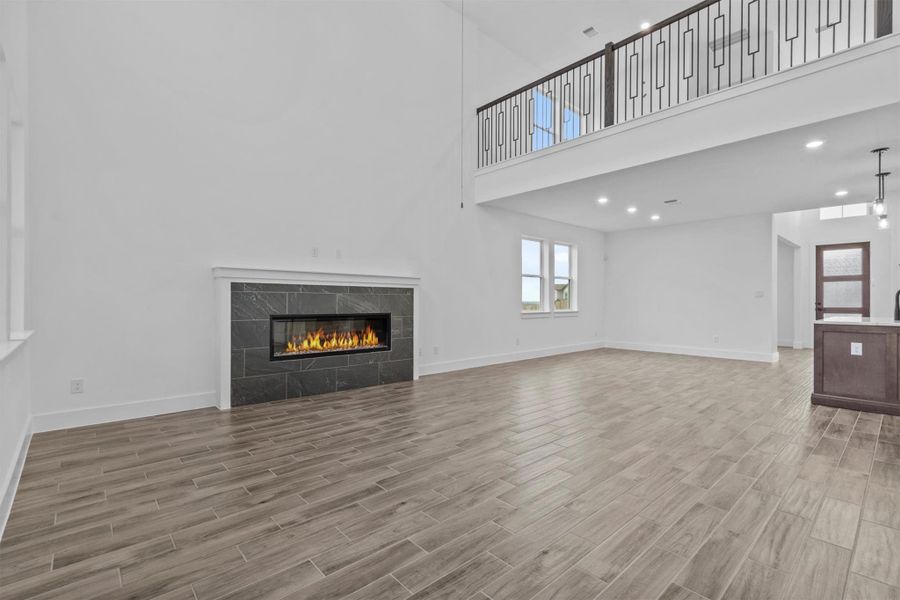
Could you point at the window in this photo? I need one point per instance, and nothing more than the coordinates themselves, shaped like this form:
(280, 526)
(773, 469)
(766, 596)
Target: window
(846, 210)
(12, 215)
(542, 134)
(538, 267)
(532, 275)
(571, 128)
(563, 277)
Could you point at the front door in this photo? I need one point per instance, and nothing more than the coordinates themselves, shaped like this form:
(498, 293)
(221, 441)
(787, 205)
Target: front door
(842, 280)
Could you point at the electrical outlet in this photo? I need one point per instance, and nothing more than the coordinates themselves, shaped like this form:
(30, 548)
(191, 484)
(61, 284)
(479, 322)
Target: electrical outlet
(339, 255)
(315, 252)
(76, 386)
(715, 339)
(435, 350)
(517, 341)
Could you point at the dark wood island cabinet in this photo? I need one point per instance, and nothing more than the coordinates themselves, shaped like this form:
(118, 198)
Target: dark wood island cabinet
(856, 364)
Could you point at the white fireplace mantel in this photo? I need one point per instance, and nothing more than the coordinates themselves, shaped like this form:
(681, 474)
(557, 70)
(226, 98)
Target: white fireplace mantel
(225, 276)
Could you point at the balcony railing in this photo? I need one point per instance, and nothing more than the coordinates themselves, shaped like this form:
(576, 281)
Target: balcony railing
(711, 46)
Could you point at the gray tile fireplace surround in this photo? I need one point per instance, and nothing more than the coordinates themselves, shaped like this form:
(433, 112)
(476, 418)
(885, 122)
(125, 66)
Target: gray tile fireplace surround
(254, 378)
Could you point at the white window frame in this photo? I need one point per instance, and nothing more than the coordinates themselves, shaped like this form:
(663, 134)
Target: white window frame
(548, 278)
(573, 276)
(543, 275)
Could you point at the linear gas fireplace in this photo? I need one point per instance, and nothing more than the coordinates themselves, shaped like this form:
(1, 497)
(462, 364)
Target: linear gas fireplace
(299, 336)
(293, 339)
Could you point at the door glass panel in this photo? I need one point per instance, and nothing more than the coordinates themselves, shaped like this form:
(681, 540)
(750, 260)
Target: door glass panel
(842, 294)
(848, 261)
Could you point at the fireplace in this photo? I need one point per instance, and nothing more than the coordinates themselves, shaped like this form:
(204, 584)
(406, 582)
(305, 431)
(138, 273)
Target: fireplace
(292, 337)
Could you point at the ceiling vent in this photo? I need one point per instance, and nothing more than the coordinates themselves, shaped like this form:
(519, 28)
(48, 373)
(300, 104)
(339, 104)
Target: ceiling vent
(590, 32)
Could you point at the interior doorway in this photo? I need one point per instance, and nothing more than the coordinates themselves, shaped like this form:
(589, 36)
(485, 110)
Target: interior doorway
(842, 280)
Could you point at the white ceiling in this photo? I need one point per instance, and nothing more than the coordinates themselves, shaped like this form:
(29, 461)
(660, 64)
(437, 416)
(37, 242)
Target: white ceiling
(547, 34)
(771, 173)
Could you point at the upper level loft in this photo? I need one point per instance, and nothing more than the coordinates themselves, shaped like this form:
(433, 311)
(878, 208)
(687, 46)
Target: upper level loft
(710, 47)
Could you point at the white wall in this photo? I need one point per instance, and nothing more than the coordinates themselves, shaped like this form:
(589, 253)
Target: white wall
(805, 229)
(172, 137)
(700, 288)
(785, 294)
(893, 206)
(15, 404)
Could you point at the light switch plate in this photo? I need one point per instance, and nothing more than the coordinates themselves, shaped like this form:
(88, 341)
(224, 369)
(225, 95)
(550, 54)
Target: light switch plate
(855, 348)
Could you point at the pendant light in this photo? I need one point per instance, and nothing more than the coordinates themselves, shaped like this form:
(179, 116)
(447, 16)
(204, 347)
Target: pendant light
(878, 206)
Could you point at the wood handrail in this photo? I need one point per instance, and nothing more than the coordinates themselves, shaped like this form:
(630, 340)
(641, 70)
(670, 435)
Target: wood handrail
(652, 29)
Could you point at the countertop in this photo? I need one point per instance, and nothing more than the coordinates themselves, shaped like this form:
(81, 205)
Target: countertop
(853, 320)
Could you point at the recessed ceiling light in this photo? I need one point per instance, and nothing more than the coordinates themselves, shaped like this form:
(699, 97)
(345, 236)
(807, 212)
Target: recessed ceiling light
(645, 25)
(632, 209)
(814, 144)
(840, 193)
(602, 200)
(654, 217)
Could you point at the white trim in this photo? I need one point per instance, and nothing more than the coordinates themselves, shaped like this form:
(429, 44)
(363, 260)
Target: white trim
(225, 276)
(766, 357)
(95, 415)
(548, 314)
(8, 348)
(15, 473)
(494, 359)
(16, 340)
(257, 275)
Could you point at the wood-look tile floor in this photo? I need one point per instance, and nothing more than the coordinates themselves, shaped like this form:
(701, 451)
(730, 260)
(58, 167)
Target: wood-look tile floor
(598, 475)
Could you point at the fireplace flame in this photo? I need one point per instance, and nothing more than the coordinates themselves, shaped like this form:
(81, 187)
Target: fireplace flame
(320, 341)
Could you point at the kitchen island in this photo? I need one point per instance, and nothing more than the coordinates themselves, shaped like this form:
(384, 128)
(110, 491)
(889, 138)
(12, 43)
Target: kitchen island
(856, 364)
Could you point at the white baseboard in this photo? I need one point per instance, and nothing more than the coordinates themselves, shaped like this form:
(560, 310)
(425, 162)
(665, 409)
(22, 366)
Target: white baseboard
(766, 357)
(496, 359)
(119, 412)
(15, 472)
(148, 408)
